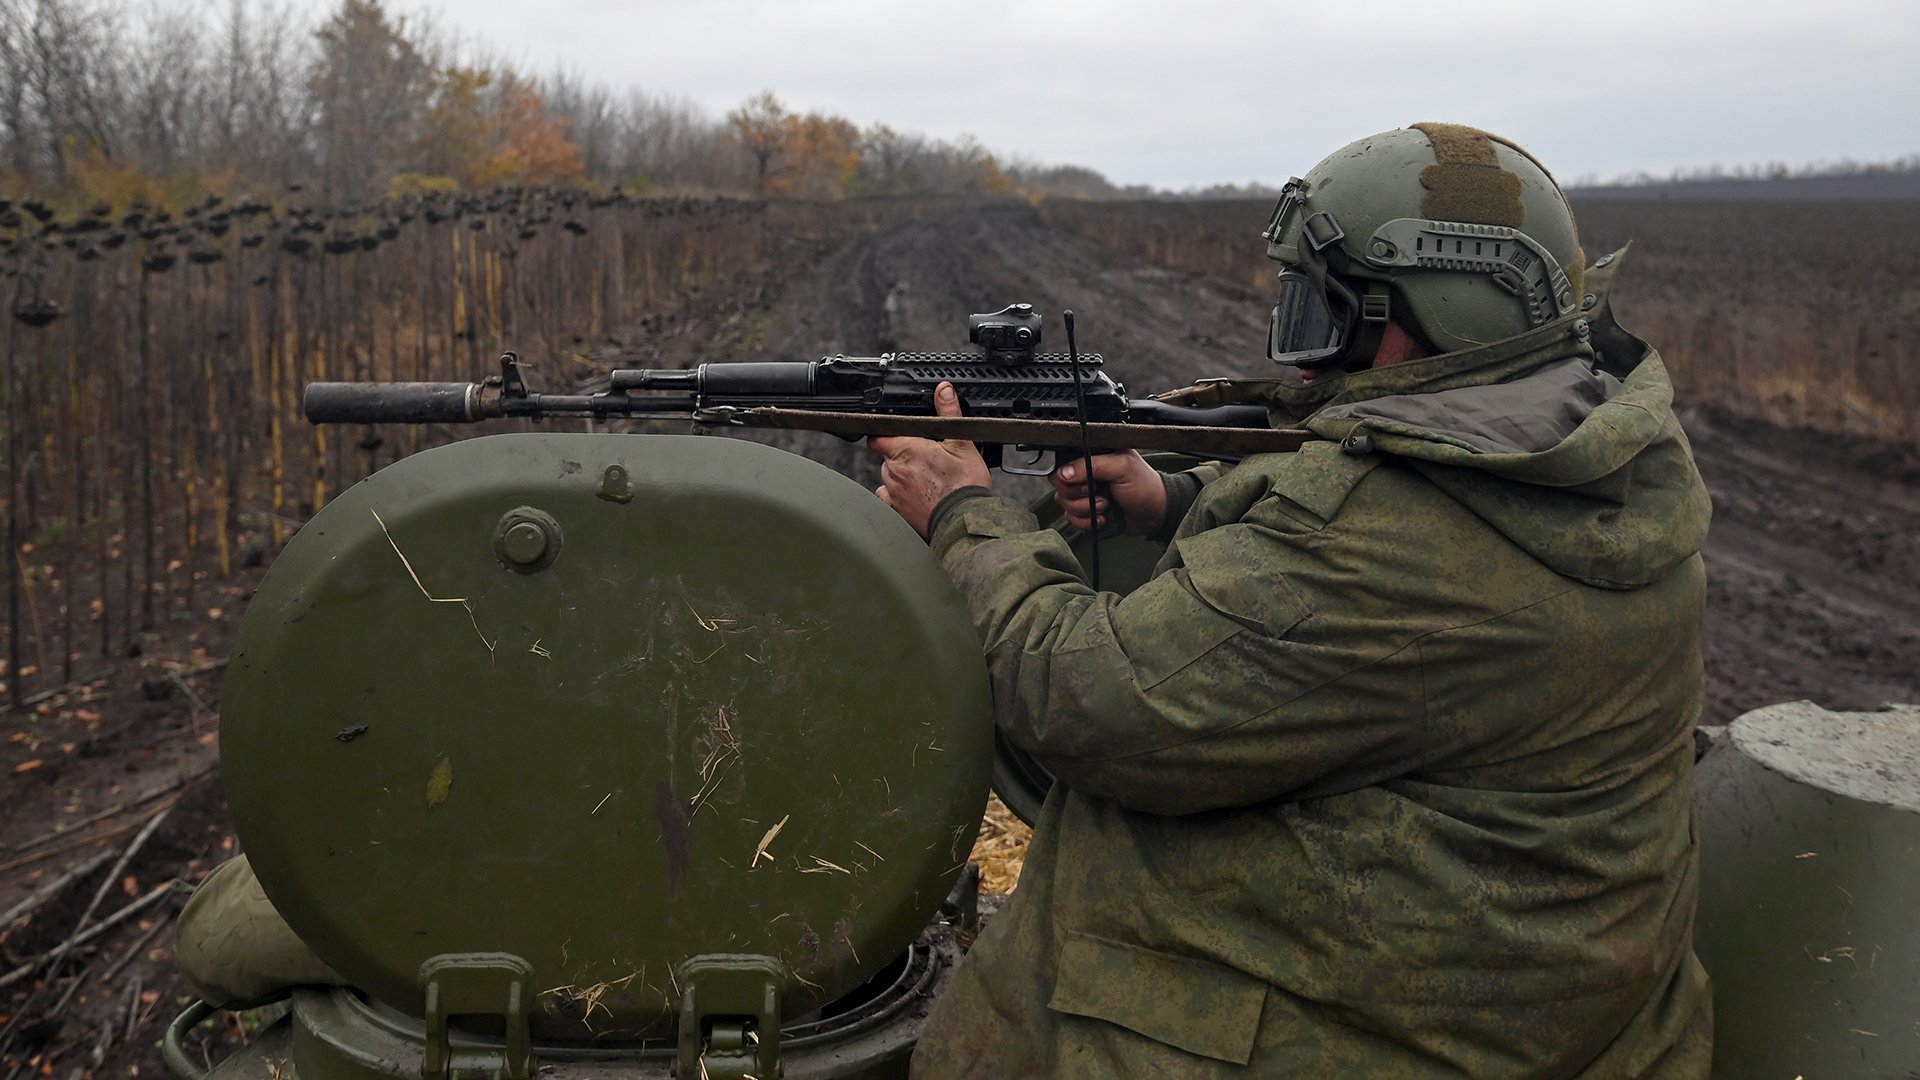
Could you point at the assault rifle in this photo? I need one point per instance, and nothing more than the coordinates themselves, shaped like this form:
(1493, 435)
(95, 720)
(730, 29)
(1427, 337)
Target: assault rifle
(1013, 396)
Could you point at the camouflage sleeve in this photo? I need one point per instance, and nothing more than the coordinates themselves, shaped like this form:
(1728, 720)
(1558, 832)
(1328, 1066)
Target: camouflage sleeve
(1200, 690)
(235, 950)
(1182, 489)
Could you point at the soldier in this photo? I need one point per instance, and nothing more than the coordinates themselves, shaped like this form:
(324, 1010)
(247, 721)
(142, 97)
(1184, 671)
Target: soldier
(1386, 771)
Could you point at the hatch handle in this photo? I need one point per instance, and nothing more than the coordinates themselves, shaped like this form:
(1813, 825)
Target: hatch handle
(730, 1017)
(171, 1050)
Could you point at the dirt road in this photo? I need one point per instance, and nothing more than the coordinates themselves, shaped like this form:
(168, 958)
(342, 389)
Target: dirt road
(1814, 561)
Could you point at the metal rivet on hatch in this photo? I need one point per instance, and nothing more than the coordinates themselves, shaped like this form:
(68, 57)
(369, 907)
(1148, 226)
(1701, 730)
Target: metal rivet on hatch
(614, 485)
(525, 543)
(527, 540)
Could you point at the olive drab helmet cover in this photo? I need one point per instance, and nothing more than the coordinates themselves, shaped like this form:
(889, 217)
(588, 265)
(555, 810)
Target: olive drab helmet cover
(1459, 236)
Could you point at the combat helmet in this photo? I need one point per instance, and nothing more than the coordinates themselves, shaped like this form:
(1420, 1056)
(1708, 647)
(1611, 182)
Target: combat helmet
(1459, 236)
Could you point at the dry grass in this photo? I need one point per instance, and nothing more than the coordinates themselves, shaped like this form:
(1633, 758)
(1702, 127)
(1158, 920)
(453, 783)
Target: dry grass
(1001, 848)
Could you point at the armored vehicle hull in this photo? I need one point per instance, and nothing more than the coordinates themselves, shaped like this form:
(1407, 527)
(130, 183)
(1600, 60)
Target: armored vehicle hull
(1809, 870)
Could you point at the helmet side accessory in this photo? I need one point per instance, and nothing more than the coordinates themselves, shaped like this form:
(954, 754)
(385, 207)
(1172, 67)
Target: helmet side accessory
(1514, 261)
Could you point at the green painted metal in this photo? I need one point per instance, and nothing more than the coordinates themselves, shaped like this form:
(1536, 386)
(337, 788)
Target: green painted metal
(335, 1034)
(1809, 870)
(729, 704)
(172, 1048)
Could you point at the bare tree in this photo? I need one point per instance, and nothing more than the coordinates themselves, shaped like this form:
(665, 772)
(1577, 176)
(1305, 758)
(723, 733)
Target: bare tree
(369, 85)
(16, 131)
(261, 116)
(65, 61)
(1065, 181)
(888, 159)
(593, 120)
(670, 144)
(164, 95)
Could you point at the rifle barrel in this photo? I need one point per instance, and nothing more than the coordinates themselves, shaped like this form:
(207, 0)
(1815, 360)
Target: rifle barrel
(396, 403)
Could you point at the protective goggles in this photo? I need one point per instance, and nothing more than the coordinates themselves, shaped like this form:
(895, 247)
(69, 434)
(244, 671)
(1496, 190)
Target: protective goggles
(1313, 322)
(1315, 316)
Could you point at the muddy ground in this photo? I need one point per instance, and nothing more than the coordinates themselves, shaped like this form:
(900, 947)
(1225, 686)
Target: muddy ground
(1814, 561)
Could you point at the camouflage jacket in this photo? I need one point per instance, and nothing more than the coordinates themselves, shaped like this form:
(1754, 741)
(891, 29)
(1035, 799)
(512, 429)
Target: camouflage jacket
(1385, 773)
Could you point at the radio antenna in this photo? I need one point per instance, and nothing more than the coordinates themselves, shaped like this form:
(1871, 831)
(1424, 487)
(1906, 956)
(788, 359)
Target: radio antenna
(1086, 452)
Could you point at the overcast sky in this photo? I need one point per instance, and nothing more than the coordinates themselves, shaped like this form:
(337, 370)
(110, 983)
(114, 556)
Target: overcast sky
(1179, 94)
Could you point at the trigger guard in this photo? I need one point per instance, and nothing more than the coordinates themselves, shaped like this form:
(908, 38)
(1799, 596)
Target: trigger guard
(1026, 461)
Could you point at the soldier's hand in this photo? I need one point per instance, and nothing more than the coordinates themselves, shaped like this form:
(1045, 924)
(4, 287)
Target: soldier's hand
(1136, 488)
(918, 473)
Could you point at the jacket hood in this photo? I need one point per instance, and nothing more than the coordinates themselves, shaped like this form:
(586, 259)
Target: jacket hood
(1588, 474)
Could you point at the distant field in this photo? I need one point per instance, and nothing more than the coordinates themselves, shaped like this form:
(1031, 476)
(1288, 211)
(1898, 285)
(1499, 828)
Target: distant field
(1883, 184)
(1802, 313)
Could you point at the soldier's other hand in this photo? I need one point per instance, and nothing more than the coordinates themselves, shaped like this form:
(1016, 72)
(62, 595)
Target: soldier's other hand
(918, 473)
(1130, 484)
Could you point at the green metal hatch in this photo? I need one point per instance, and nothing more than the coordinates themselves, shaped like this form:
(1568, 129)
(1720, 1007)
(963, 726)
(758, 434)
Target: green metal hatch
(602, 704)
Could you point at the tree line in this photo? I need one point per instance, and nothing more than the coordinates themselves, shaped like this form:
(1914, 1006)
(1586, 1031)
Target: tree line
(167, 106)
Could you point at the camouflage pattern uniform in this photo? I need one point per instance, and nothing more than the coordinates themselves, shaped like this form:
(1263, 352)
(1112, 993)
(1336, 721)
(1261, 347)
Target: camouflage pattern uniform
(234, 948)
(1386, 772)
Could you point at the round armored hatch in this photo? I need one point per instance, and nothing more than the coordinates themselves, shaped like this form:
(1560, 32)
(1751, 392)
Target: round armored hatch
(606, 703)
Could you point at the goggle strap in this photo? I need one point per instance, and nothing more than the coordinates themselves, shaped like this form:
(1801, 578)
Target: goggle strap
(1365, 344)
(1377, 305)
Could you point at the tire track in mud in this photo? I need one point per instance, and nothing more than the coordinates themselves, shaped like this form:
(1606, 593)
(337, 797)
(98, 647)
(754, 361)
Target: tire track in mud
(1813, 567)
(1814, 559)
